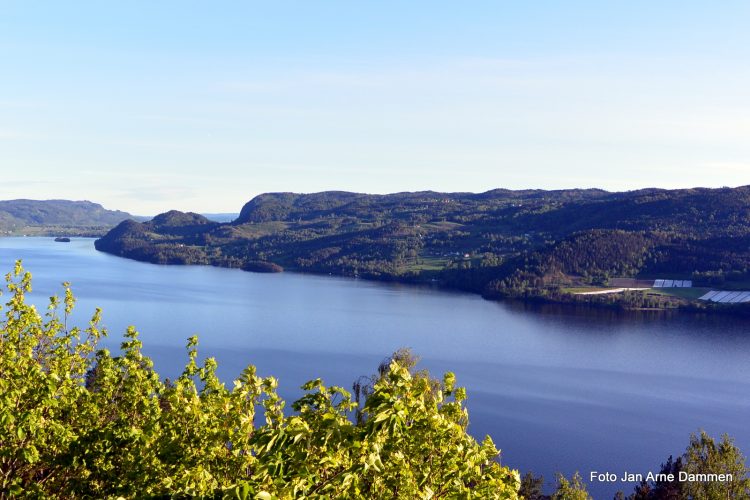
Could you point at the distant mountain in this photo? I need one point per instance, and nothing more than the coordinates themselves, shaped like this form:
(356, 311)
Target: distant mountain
(499, 243)
(222, 217)
(57, 217)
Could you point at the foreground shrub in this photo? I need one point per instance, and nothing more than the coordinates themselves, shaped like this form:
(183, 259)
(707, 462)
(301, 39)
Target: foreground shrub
(76, 421)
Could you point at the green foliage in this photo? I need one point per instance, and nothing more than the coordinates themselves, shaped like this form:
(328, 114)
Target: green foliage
(76, 421)
(54, 217)
(523, 244)
(663, 488)
(706, 456)
(532, 487)
(702, 456)
(573, 489)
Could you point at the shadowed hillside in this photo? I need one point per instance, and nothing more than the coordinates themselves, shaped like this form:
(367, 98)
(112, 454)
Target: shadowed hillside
(57, 217)
(499, 243)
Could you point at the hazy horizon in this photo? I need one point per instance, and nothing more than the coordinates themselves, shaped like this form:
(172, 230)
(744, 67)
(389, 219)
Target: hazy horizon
(236, 210)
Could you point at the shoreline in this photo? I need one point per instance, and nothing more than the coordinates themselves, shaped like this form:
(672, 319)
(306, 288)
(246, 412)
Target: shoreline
(577, 300)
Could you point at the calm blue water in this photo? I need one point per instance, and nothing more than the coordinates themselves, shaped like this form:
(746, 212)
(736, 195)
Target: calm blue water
(558, 390)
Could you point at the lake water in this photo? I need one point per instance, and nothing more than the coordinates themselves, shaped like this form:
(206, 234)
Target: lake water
(557, 389)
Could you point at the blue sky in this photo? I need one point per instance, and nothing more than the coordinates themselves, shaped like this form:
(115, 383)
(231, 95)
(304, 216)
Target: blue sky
(149, 106)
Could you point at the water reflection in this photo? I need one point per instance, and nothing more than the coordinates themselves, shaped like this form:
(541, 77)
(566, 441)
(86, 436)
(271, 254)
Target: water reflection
(558, 388)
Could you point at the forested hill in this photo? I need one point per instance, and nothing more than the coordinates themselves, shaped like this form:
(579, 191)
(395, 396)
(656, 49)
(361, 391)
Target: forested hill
(57, 217)
(499, 242)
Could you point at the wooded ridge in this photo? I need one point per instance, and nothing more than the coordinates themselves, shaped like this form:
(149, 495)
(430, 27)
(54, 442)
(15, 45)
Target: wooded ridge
(529, 243)
(57, 217)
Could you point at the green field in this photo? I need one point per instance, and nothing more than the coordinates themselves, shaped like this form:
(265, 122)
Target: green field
(684, 293)
(585, 289)
(429, 264)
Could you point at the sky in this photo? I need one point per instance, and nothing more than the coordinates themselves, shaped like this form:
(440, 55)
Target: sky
(147, 106)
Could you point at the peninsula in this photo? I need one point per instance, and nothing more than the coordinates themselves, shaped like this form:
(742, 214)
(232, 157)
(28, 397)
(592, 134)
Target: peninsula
(555, 246)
